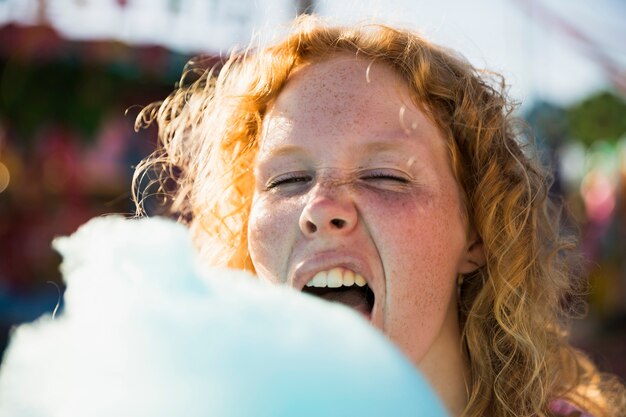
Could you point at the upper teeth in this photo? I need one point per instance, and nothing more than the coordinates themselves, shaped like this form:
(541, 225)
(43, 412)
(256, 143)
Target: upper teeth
(335, 278)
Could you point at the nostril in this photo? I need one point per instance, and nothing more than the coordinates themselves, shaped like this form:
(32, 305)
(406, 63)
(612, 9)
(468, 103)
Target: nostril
(338, 223)
(311, 227)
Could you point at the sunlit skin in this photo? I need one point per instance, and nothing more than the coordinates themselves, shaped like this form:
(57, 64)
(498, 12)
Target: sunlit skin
(351, 173)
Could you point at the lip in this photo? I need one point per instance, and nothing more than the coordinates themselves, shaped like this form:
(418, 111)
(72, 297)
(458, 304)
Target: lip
(306, 269)
(325, 261)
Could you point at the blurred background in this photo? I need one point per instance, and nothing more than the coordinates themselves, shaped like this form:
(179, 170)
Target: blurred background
(75, 73)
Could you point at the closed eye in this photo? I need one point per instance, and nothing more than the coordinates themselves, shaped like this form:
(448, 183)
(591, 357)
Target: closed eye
(385, 176)
(287, 179)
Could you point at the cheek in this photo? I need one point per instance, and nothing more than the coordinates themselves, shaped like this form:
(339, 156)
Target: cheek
(270, 238)
(421, 253)
(420, 247)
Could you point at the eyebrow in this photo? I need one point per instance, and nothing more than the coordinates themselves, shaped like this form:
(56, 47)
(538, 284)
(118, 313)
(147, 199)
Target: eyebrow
(371, 147)
(284, 150)
(384, 146)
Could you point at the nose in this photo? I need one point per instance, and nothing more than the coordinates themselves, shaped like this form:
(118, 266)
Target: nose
(326, 214)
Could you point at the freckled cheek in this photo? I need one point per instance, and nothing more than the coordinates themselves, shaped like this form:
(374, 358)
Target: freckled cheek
(420, 266)
(272, 229)
(420, 254)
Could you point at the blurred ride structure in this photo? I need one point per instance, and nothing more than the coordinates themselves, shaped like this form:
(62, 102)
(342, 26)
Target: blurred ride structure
(67, 148)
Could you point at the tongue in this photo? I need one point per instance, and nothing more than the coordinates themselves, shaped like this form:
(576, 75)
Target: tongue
(353, 298)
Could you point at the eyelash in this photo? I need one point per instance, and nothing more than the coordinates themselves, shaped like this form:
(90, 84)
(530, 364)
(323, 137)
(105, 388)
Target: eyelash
(297, 178)
(386, 176)
(290, 179)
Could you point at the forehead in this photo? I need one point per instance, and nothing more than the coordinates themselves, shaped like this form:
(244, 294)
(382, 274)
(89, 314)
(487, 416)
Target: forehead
(341, 85)
(347, 99)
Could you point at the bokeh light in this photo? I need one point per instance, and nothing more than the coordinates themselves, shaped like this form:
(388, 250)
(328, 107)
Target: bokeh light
(5, 177)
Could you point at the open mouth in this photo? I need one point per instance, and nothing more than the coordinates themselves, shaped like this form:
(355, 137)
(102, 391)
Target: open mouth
(343, 286)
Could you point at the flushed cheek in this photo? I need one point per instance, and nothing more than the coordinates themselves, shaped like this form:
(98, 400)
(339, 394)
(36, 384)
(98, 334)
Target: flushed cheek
(422, 281)
(417, 304)
(271, 236)
(420, 267)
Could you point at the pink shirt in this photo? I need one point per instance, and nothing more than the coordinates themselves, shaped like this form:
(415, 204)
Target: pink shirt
(566, 409)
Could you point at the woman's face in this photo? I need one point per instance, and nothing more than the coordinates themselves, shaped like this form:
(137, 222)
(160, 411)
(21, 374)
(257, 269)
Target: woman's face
(354, 182)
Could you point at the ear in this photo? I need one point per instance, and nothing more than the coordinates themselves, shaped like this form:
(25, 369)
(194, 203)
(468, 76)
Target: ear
(474, 256)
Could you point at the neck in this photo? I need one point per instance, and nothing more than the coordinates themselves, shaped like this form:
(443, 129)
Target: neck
(446, 369)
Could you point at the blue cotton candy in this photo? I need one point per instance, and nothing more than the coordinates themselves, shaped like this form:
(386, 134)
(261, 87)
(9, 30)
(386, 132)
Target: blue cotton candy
(147, 332)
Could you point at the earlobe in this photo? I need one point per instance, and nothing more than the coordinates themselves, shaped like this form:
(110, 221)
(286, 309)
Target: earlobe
(474, 256)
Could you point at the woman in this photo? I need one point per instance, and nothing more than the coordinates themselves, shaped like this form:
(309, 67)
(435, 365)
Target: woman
(373, 168)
